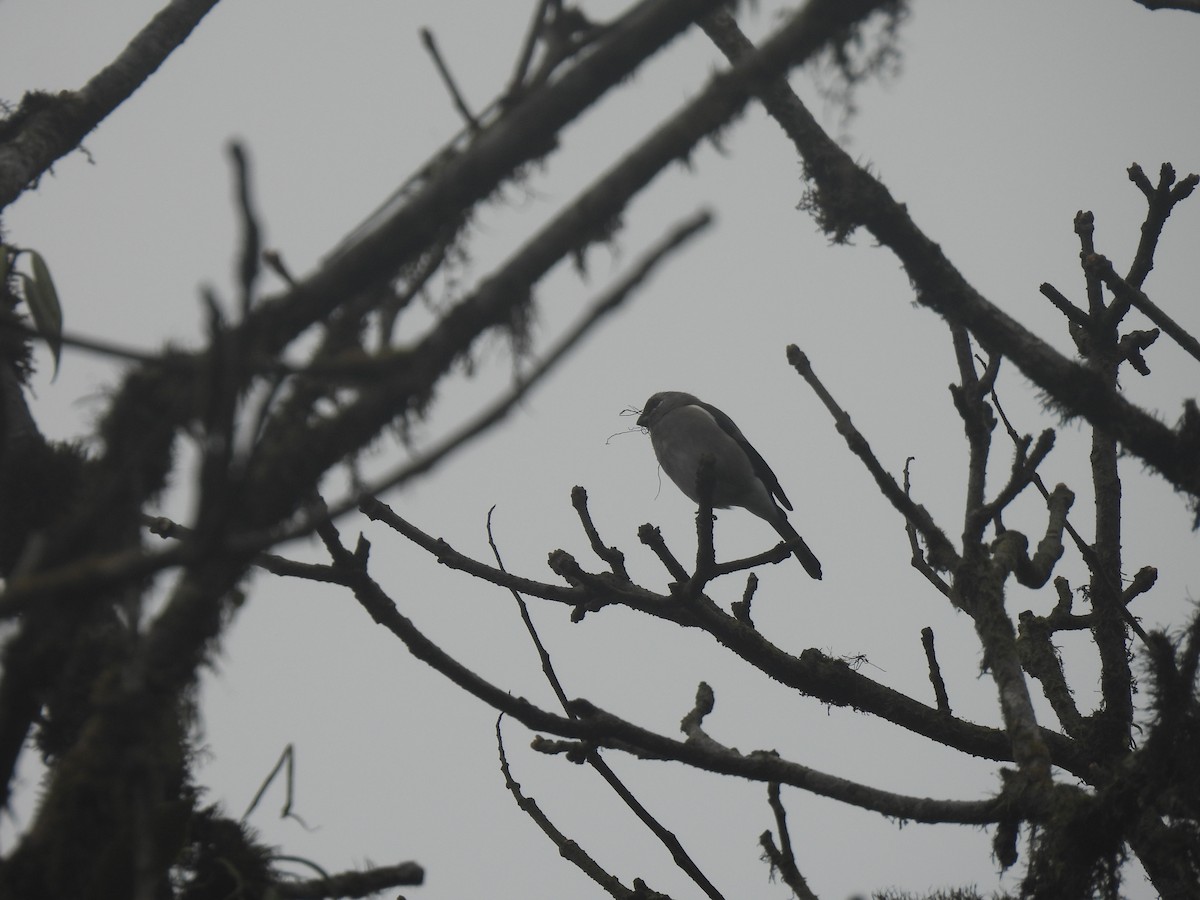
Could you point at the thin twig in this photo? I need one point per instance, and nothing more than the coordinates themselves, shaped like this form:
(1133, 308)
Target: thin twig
(917, 560)
(782, 858)
(611, 555)
(668, 839)
(569, 849)
(447, 79)
(523, 608)
(942, 554)
(525, 57)
(287, 763)
(250, 262)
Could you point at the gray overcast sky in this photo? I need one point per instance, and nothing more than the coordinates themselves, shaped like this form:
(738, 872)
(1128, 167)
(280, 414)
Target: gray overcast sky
(1005, 120)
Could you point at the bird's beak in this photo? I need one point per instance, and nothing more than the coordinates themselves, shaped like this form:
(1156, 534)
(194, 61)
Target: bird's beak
(641, 420)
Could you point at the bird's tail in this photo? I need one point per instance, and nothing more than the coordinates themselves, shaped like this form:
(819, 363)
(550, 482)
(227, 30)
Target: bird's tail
(810, 562)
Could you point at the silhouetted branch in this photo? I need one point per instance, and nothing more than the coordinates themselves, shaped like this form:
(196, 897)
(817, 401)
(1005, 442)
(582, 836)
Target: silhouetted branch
(528, 45)
(692, 724)
(782, 859)
(1100, 344)
(812, 673)
(978, 422)
(981, 587)
(846, 196)
(767, 766)
(523, 608)
(665, 836)
(600, 728)
(611, 555)
(1074, 314)
(1039, 657)
(526, 132)
(935, 672)
(1184, 5)
(705, 519)
(741, 608)
(611, 300)
(1160, 201)
(448, 80)
(1086, 551)
(45, 128)
(1024, 468)
(668, 839)
(251, 254)
(651, 536)
(1035, 571)
(942, 554)
(917, 560)
(1129, 294)
(569, 849)
(352, 884)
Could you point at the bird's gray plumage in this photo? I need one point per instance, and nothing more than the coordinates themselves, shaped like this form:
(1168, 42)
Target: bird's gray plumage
(683, 429)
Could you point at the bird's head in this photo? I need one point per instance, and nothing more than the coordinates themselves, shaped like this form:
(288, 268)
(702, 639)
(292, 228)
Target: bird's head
(662, 403)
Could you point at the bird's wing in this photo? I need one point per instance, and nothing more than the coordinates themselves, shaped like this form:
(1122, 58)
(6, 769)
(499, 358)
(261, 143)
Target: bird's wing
(761, 469)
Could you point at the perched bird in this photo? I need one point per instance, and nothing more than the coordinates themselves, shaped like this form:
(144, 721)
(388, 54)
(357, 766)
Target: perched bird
(683, 429)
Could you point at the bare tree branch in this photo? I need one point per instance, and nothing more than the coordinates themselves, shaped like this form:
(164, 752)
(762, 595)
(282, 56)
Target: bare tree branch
(935, 672)
(942, 554)
(812, 673)
(460, 104)
(1184, 5)
(46, 128)
(526, 132)
(846, 196)
(570, 850)
(782, 858)
(352, 884)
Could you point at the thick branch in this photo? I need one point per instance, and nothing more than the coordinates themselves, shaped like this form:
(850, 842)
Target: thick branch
(46, 128)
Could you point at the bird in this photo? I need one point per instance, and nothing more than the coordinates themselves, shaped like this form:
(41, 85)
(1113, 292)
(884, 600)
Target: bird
(684, 429)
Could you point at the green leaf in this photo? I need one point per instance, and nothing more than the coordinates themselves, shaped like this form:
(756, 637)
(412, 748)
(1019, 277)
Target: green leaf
(42, 299)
